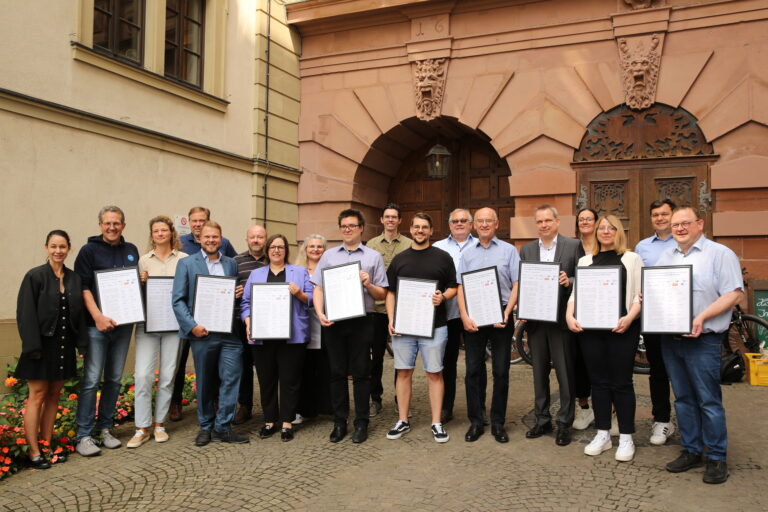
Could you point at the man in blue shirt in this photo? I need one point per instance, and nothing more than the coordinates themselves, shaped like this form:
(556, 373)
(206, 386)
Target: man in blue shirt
(108, 341)
(693, 360)
(489, 251)
(650, 249)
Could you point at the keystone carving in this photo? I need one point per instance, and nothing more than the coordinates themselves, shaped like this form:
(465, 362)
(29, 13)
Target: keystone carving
(429, 85)
(640, 64)
(639, 4)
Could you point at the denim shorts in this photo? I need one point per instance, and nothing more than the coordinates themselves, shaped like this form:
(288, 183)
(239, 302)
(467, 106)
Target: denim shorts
(405, 349)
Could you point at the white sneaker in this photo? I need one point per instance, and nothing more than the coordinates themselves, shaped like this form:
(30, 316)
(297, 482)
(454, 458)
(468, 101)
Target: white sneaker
(161, 435)
(109, 441)
(626, 450)
(138, 439)
(583, 418)
(298, 420)
(614, 425)
(600, 443)
(661, 432)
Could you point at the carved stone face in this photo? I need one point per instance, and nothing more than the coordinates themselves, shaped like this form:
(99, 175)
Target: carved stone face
(429, 83)
(639, 4)
(640, 68)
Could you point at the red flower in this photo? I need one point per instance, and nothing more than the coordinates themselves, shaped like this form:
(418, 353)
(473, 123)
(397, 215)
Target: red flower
(5, 449)
(5, 469)
(58, 450)
(184, 401)
(64, 440)
(7, 460)
(73, 396)
(21, 440)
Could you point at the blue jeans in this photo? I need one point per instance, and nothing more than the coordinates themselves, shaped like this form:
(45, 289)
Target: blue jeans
(106, 354)
(693, 366)
(218, 359)
(406, 348)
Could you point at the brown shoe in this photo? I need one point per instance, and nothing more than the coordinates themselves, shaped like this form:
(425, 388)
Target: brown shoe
(243, 414)
(174, 413)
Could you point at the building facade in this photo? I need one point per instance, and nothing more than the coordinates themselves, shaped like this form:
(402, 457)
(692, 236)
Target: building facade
(153, 105)
(609, 104)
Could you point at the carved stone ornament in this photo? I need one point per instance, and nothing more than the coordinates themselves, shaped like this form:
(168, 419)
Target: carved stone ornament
(639, 4)
(640, 64)
(657, 132)
(429, 85)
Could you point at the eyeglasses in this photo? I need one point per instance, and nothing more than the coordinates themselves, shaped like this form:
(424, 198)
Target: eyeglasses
(586, 220)
(277, 248)
(684, 225)
(348, 227)
(606, 228)
(459, 221)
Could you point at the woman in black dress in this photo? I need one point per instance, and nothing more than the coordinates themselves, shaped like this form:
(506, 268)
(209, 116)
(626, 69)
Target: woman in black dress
(51, 319)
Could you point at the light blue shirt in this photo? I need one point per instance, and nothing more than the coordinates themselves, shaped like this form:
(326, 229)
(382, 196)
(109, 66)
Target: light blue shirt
(370, 261)
(498, 254)
(651, 248)
(215, 268)
(455, 249)
(716, 271)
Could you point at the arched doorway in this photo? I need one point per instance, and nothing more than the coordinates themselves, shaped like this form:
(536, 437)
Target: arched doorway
(478, 178)
(627, 159)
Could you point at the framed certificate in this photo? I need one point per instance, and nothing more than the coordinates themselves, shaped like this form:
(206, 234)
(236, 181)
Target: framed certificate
(343, 292)
(159, 312)
(598, 296)
(538, 291)
(271, 311)
(482, 296)
(414, 311)
(214, 302)
(667, 300)
(120, 295)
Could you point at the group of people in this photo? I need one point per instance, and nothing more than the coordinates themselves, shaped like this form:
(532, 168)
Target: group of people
(307, 375)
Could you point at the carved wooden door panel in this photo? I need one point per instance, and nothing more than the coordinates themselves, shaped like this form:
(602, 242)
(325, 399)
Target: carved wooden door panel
(614, 192)
(479, 178)
(683, 185)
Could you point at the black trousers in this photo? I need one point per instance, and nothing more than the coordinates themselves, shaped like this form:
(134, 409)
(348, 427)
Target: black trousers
(181, 369)
(610, 359)
(552, 346)
(658, 380)
(348, 343)
(315, 393)
(450, 363)
(245, 393)
(474, 352)
(378, 347)
(581, 386)
(279, 365)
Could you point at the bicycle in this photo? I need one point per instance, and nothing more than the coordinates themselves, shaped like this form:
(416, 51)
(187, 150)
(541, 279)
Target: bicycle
(746, 331)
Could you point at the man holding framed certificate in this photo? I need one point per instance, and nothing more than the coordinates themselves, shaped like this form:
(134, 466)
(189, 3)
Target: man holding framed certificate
(488, 253)
(548, 336)
(693, 360)
(348, 338)
(420, 279)
(108, 341)
(208, 277)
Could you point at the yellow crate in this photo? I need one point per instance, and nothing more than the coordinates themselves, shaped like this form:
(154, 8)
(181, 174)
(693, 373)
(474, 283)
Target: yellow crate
(757, 370)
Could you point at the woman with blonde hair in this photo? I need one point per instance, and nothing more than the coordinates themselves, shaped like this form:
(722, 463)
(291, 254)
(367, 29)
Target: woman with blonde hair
(610, 355)
(164, 253)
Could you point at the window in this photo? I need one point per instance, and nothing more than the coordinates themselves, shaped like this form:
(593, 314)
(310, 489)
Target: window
(184, 29)
(117, 28)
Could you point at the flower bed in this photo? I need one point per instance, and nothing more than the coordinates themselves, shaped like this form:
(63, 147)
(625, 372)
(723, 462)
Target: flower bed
(13, 442)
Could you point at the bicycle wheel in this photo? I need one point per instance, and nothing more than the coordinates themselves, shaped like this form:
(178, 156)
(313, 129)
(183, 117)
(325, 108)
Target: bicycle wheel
(520, 349)
(642, 366)
(750, 331)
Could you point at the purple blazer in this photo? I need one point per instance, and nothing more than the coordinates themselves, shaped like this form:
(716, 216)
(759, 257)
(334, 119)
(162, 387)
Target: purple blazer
(300, 313)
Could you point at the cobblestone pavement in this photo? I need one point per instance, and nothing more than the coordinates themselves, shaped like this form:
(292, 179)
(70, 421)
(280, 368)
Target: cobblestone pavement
(413, 473)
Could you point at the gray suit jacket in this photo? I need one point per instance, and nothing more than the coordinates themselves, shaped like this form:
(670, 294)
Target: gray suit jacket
(567, 254)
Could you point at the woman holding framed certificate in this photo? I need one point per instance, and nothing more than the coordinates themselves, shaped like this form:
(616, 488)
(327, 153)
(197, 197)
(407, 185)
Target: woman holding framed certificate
(157, 340)
(51, 319)
(604, 307)
(315, 394)
(279, 338)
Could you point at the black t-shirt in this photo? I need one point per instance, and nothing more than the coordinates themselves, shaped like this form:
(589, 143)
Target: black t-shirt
(431, 263)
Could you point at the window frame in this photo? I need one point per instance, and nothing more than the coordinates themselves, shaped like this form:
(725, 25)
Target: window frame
(114, 29)
(180, 51)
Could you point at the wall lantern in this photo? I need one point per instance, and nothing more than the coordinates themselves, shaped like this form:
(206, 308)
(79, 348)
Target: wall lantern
(438, 162)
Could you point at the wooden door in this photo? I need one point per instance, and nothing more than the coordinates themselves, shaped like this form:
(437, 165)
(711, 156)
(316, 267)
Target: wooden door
(478, 178)
(627, 190)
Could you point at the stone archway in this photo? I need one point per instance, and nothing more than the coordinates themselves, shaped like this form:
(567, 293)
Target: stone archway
(479, 176)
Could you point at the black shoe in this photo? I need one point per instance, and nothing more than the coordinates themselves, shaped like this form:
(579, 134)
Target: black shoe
(286, 434)
(203, 437)
(499, 433)
(485, 420)
(539, 430)
(229, 436)
(474, 433)
(563, 437)
(339, 432)
(267, 431)
(360, 434)
(684, 462)
(62, 457)
(446, 416)
(716, 472)
(39, 462)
